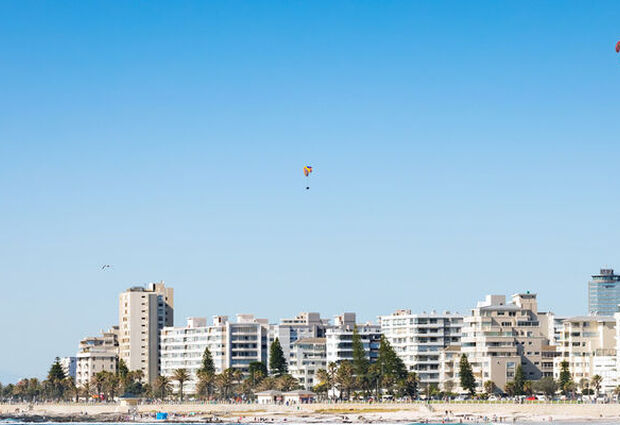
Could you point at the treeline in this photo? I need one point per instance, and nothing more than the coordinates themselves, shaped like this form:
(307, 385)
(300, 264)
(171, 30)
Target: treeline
(361, 378)
(520, 386)
(349, 379)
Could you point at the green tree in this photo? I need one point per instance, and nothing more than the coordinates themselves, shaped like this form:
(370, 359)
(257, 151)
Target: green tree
(466, 375)
(510, 388)
(408, 387)
(519, 381)
(56, 377)
(277, 361)
(181, 376)
(286, 383)
(327, 377)
(122, 371)
(226, 381)
(449, 386)
(162, 387)
(345, 379)
(133, 384)
(207, 362)
(206, 384)
(430, 390)
(71, 388)
(489, 387)
(389, 370)
(546, 385)
(257, 372)
(98, 384)
(597, 380)
(565, 381)
(360, 363)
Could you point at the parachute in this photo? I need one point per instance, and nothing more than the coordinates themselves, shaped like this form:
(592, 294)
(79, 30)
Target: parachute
(307, 171)
(618, 47)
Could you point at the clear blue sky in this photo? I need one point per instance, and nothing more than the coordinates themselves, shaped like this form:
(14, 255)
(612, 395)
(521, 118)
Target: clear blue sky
(460, 148)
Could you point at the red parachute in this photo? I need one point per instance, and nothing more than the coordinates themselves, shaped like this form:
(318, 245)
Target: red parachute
(618, 47)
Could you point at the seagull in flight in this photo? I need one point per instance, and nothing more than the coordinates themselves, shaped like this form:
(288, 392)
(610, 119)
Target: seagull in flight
(105, 266)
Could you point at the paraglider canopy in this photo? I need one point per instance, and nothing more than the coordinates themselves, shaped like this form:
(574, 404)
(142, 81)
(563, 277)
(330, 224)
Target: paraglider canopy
(307, 171)
(618, 47)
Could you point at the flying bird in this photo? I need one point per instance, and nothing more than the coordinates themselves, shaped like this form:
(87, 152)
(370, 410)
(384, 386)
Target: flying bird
(105, 266)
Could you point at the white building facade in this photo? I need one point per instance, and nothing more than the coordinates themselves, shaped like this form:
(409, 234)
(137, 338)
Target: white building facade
(339, 339)
(307, 357)
(96, 354)
(419, 338)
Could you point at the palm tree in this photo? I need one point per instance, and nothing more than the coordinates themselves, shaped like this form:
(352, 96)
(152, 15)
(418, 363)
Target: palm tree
(162, 386)
(98, 382)
(225, 381)
(449, 386)
(85, 390)
(181, 376)
(206, 382)
(69, 384)
(111, 385)
(286, 383)
(584, 384)
(489, 387)
(327, 376)
(597, 380)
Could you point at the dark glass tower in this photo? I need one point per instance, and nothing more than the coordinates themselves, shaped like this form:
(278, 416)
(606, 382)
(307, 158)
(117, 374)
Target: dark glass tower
(604, 293)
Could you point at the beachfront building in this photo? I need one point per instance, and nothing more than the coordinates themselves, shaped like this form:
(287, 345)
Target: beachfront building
(183, 348)
(304, 325)
(307, 357)
(96, 354)
(232, 345)
(587, 341)
(339, 339)
(604, 293)
(498, 337)
(247, 341)
(556, 326)
(69, 366)
(143, 313)
(604, 365)
(548, 355)
(419, 338)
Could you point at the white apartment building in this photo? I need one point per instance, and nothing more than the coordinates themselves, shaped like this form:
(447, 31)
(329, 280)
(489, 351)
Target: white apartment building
(307, 357)
(96, 354)
(183, 348)
(339, 339)
(304, 325)
(586, 342)
(143, 312)
(248, 341)
(604, 365)
(69, 366)
(497, 337)
(232, 345)
(419, 338)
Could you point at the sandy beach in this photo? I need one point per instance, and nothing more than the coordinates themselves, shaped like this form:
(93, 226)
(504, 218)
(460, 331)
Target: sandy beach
(316, 413)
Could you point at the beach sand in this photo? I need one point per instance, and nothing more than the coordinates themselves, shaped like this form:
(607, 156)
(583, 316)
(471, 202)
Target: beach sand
(316, 413)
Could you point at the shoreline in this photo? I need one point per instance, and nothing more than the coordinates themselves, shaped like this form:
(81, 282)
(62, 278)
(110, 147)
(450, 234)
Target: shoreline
(386, 413)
